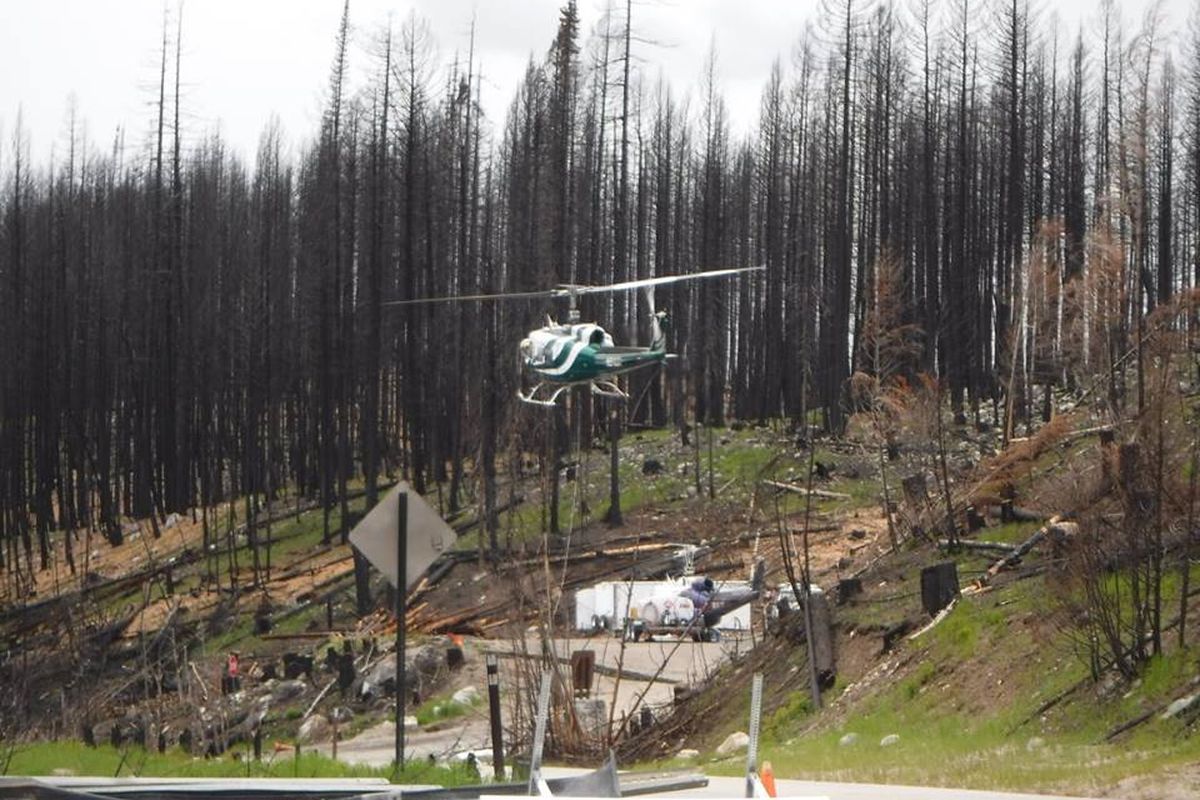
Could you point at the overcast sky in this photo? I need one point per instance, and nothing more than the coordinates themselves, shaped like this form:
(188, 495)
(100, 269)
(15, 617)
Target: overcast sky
(244, 60)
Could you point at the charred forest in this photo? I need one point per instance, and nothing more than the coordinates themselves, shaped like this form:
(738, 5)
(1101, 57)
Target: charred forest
(185, 326)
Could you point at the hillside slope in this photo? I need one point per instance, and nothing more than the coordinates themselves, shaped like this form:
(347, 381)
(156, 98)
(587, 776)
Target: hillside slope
(1005, 690)
(998, 693)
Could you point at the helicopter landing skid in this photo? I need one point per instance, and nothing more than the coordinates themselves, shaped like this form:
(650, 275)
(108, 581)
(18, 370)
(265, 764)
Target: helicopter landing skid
(608, 389)
(601, 388)
(532, 397)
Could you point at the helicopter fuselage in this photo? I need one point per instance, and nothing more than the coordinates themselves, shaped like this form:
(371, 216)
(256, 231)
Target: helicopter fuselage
(582, 352)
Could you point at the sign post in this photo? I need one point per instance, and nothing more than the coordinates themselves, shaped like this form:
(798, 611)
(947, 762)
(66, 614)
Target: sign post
(401, 537)
(401, 613)
(493, 684)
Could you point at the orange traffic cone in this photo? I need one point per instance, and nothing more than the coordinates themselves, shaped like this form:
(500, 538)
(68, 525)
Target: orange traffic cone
(767, 776)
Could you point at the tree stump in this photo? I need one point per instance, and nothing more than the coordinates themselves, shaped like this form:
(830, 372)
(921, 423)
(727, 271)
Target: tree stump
(893, 633)
(939, 586)
(848, 588)
(975, 520)
(822, 637)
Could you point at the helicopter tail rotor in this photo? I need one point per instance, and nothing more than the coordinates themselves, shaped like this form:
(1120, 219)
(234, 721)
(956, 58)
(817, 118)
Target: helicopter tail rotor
(658, 327)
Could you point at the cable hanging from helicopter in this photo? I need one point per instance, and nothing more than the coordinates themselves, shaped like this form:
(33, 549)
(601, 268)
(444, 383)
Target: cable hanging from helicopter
(575, 353)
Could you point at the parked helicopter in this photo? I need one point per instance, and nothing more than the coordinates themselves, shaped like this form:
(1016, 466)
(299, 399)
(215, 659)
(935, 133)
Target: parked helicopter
(575, 353)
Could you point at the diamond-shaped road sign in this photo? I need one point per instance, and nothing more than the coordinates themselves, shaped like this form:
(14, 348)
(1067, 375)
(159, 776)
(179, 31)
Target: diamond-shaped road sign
(375, 536)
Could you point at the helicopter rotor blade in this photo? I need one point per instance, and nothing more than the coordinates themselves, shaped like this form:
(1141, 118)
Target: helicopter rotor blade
(466, 298)
(572, 291)
(663, 279)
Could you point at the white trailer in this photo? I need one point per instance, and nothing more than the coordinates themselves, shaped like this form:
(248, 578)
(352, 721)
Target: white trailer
(607, 605)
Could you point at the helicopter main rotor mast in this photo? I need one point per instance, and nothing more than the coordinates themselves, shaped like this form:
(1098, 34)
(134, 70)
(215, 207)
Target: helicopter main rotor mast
(572, 292)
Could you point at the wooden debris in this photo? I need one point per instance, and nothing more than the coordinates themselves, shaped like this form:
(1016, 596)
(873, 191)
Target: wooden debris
(941, 615)
(1007, 512)
(1056, 528)
(318, 699)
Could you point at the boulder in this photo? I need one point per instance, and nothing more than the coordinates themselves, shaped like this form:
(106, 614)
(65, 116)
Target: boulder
(652, 466)
(1035, 743)
(889, 740)
(297, 664)
(467, 696)
(315, 729)
(482, 755)
(421, 667)
(592, 713)
(379, 680)
(687, 753)
(848, 739)
(734, 742)
(284, 691)
(425, 663)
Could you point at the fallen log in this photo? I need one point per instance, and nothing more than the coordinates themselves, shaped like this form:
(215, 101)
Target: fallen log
(822, 493)
(319, 635)
(971, 544)
(1083, 433)
(318, 699)
(941, 615)
(1013, 513)
(463, 527)
(1054, 527)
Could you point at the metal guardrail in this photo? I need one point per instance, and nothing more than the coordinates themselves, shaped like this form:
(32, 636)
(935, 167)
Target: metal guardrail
(631, 784)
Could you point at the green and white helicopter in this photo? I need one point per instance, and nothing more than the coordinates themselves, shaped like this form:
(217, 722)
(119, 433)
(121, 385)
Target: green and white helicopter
(575, 353)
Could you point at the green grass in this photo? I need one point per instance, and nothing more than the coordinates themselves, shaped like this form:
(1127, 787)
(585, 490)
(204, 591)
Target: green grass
(43, 758)
(956, 750)
(942, 746)
(959, 636)
(1009, 533)
(944, 740)
(741, 458)
(1165, 673)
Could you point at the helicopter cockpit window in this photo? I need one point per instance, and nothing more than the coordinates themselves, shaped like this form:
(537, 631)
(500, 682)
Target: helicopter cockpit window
(593, 335)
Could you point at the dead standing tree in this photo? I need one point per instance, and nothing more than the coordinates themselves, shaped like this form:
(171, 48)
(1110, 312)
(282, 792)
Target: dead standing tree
(890, 349)
(1112, 577)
